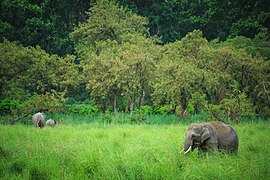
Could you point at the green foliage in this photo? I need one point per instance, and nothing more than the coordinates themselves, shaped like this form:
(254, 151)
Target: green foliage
(163, 110)
(50, 102)
(106, 21)
(146, 109)
(191, 68)
(82, 109)
(258, 45)
(15, 60)
(262, 43)
(138, 118)
(173, 19)
(118, 59)
(35, 79)
(44, 23)
(180, 72)
(48, 24)
(7, 105)
(27, 70)
(197, 102)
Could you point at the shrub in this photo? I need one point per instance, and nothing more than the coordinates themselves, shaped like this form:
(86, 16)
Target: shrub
(85, 109)
(147, 109)
(7, 105)
(166, 109)
(138, 118)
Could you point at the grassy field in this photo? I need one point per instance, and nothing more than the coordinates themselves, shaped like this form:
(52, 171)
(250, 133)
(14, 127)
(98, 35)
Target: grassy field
(121, 151)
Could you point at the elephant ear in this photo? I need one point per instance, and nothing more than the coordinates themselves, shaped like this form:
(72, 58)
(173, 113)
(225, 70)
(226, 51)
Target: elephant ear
(205, 134)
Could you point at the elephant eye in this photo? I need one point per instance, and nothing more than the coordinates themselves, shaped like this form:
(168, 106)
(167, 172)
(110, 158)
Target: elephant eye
(192, 136)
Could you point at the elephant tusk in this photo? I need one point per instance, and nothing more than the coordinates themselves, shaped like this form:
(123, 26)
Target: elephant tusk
(188, 150)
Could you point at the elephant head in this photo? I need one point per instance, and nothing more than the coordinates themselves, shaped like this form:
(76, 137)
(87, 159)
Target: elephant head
(196, 135)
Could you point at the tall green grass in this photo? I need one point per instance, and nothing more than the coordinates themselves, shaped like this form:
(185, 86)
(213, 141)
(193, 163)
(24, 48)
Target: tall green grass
(121, 151)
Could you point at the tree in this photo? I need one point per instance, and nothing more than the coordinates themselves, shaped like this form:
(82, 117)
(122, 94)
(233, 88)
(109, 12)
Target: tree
(230, 78)
(115, 53)
(28, 70)
(173, 19)
(101, 74)
(250, 70)
(106, 21)
(180, 72)
(139, 54)
(15, 61)
(121, 71)
(44, 23)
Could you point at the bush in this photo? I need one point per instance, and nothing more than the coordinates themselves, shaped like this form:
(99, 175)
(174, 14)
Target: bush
(166, 109)
(85, 109)
(147, 109)
(138, 118)
(50, 102)
(7, 105)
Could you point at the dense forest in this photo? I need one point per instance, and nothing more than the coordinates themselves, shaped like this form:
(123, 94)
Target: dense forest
(141, 56)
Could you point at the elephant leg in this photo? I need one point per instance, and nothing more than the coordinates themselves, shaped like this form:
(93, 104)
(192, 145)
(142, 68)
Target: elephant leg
(232, 151)
(208, 147)
(227, 150)
(202, 150)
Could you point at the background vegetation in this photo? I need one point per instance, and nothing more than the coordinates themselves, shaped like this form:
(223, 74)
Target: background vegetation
(143, 57)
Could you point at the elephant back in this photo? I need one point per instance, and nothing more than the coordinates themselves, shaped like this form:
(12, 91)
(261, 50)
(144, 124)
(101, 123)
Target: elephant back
(38, 119)
(227, 136)
(50, 122)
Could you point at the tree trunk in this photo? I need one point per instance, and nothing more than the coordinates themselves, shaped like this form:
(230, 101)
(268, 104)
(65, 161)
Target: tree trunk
(132, 99)
(196, 107)
(239, 110)
(131, 108)
(173, 110)
(183, 110)
(127, 108)
(115, 105)
(184, 103)
(229, 114)
(132, 102)
(236, 120)
(141, 101)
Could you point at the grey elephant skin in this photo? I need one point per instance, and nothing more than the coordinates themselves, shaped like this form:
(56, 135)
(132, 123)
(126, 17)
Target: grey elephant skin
(38, 119)
(210, 137)
(50, 122)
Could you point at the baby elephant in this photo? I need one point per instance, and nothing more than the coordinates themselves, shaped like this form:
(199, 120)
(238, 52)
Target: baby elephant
(38, 119)
(50, 122)
(211, 136)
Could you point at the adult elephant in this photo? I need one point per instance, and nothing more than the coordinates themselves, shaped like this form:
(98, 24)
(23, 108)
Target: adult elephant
(38, 119)
(211, 136)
